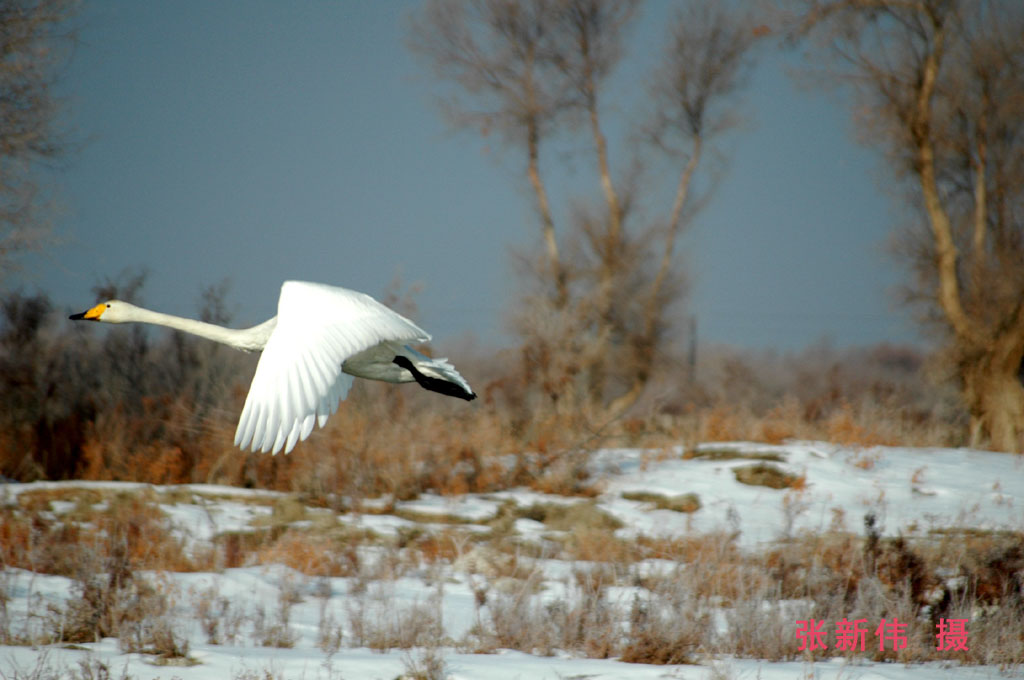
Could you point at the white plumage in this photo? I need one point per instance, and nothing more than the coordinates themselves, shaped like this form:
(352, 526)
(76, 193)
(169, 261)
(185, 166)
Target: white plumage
(321, 337)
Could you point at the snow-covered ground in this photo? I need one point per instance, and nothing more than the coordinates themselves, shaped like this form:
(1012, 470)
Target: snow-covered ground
(260, 663)
(910, 491)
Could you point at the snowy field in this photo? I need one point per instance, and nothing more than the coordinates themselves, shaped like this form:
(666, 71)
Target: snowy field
(910, 491)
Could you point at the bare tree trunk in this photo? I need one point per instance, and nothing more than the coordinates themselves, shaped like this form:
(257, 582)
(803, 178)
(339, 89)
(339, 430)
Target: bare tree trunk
(611, 243)
(945, 249)
(980, 217)
(674, 227)
(994, 393)
(645, 343)
(614, 237)
(990, 366)
(557, 272)
(547, 223)
(610, 251)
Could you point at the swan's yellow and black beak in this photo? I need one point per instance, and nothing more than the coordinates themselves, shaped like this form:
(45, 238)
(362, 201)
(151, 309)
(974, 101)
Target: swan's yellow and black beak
(90, 314)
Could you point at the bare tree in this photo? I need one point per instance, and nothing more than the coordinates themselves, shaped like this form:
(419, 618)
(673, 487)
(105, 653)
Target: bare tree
(33, 34)
(539, 70)
(940, 87)
(703, 66)
(497, 53)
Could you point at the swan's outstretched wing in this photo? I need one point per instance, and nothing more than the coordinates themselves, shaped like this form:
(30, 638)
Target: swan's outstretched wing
(298, 380)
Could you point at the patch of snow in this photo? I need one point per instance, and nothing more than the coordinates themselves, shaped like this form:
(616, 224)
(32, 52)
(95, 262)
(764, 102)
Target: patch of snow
(469, 507)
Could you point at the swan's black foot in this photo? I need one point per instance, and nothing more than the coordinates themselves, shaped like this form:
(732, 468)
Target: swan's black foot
(434, 384)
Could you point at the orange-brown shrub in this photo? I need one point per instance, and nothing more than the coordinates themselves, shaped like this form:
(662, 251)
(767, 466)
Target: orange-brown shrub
(722, 423)
(594, 544)
(310, 554)
(845, 426)
(782, 422)
(442, 546)
(127, 526)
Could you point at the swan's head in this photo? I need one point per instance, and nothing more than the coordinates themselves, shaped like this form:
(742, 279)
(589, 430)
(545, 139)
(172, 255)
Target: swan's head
(111, 311)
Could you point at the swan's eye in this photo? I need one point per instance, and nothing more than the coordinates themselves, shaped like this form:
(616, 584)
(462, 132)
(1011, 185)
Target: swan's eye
(108, 305)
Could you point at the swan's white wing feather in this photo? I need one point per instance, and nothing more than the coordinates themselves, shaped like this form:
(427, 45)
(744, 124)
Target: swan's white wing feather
(298, 381)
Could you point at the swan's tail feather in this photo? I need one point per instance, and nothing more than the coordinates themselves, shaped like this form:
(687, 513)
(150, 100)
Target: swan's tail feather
(436, 375)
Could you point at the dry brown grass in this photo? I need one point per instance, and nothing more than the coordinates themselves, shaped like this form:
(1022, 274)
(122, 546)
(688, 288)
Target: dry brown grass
(593, 544)
(828, 577)
(685, 503)
(864, 424)
(401, 441)
(128, 526)
(311, 554)
(377, 623)
(766, 474)
(834, 576)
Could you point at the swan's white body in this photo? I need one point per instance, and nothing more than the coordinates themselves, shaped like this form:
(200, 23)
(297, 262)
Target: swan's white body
(321, 337)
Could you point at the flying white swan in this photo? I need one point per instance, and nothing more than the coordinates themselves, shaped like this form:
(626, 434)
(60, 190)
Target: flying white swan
(321, 337)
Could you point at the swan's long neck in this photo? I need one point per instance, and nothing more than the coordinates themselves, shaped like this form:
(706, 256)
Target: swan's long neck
(246, 339)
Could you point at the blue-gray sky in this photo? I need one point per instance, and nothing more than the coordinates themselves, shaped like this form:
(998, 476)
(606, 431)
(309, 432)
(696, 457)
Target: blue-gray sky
(260, 141)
